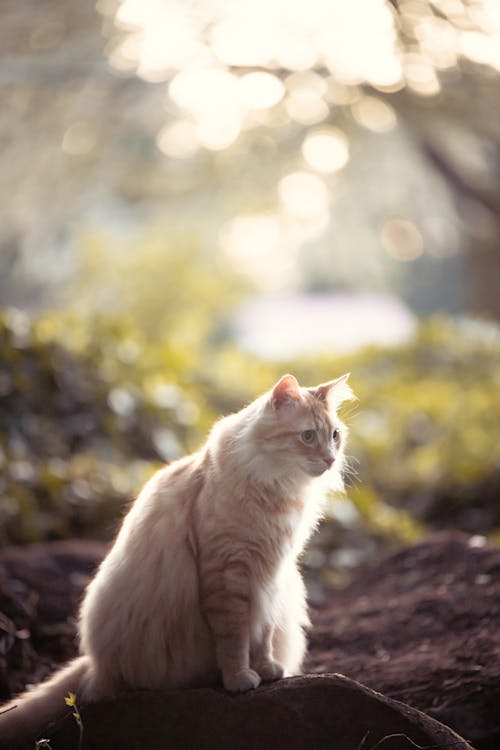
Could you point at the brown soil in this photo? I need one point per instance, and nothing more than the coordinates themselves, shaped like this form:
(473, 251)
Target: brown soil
(420, 625)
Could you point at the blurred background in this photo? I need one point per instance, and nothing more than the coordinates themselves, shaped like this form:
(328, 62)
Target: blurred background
(199, 196)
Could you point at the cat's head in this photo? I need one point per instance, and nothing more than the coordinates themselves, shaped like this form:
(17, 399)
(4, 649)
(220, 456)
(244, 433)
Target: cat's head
(300, 426)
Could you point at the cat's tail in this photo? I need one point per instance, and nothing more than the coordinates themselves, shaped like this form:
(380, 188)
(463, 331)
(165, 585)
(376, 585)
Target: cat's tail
(25, 716)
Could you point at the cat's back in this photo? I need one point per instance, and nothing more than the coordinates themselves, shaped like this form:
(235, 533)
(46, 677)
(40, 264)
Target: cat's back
(157, 527)
(149, 580)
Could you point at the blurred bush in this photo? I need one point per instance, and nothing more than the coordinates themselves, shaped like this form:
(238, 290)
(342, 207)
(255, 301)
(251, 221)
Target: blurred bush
(73, 444)
(425, 436)
(82, 426)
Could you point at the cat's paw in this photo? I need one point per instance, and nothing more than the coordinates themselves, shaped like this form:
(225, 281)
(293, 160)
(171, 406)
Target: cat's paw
(240, 682)
(271, 670)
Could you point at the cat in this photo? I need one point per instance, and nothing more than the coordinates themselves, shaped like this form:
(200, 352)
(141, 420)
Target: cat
(202, 583)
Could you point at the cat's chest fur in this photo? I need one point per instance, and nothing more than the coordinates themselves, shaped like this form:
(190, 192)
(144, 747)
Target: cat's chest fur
(257, 525)
(280, 521)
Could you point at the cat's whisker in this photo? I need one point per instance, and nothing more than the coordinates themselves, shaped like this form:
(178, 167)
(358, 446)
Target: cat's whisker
(351, 412)
(350, 472)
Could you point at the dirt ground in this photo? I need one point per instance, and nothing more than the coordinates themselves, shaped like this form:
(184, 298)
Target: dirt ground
(421, 625)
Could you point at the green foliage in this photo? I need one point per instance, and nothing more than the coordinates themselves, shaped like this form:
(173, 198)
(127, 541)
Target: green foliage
(426, 433)
(70, 700)
(73, 445)
(81, 428)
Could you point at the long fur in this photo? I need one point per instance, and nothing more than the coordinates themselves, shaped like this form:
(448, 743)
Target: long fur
(27, 715)
(202, 581)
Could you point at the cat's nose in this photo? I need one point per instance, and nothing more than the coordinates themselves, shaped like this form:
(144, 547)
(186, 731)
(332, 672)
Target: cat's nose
(329, 460)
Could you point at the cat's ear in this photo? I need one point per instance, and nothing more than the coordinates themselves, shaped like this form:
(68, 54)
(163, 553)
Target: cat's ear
(285, 392)
(334, 392)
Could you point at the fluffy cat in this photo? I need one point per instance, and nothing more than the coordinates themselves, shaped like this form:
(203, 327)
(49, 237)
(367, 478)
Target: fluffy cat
(202, 582)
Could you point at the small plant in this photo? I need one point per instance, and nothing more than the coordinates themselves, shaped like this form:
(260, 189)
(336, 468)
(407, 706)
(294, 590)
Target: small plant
(70, 700)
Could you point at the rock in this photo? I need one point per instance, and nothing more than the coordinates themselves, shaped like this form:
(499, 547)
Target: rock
(420, 625)
(320, 712)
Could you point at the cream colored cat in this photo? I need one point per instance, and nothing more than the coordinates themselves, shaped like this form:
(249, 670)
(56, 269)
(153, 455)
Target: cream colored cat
(202, 582)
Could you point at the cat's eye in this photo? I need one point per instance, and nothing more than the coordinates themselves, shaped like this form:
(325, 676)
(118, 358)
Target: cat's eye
(308, 436)
(336, 434)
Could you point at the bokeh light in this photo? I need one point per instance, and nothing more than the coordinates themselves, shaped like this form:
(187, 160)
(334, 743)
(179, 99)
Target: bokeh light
(326, 150)
(402, 240)
(303, 195)
(178, 140)
(374, 114)
(260, 90)
(191, 190)
(261, 247)
(79, 139)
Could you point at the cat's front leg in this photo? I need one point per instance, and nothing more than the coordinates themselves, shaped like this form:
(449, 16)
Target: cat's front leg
(227, 609)
(261, 657)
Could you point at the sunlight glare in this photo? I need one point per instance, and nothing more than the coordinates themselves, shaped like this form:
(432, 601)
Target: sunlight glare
(240, 44)
(289, 34)
(306, 106)
(486, 15)
(205, 91)
(241, 236)
(168, 37)
(124, 56)
(297, 54)
(306, 79)
(260, 90)
(354, 51)
(207, 51)
(217, 134)
(257, 247)
(326, 150)
(420, 75)
(481, 48)
(340, 94)
(438, 41)
(303, 195)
